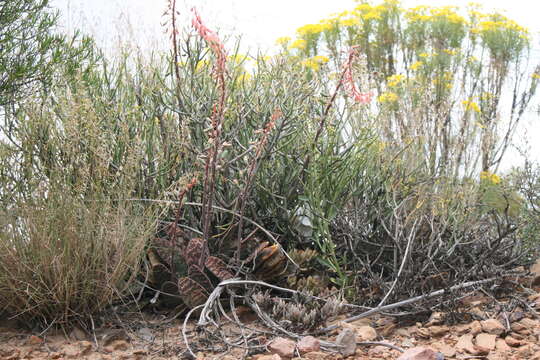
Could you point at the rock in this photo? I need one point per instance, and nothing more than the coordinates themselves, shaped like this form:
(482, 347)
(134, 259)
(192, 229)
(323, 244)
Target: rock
(528, 323)
(486, 341)
(510, 341)
(387, 330)
(378, 351)
(465, 344)
(267, 357)
(403, 332)
(9, 353)
(283, 347)
(308, 344)
(146, 334)
(475, 327)
(116, 345)
(436, 318)
(492, 326)
(423, 333)
(316, 355)
(347, 340)
(502, 346)
(438, 330)
(445, 349)
(535, 272)
(421, 353)
(71, 351)
(366, 333)
(407, 343)
(34, 340)
(525, 351)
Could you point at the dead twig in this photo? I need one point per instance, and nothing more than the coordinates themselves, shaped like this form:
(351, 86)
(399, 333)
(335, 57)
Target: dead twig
(408, 301)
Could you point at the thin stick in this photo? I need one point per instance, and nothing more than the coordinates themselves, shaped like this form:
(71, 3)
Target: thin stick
(184, 333)
(380, 343)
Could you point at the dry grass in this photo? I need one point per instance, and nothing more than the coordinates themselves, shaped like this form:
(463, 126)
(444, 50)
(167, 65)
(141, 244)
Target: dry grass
(63, 258)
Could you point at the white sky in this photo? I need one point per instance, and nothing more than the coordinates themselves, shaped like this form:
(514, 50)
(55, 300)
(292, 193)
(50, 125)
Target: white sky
(259, 23)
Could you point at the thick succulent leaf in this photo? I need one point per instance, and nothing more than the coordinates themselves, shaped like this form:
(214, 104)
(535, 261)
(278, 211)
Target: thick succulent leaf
(197, 274)
(195, 253)
(218, 268)
(192, 293)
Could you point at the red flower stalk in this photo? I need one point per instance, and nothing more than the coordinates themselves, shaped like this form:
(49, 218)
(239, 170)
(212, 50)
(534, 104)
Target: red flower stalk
(217, 47)
(348, 80)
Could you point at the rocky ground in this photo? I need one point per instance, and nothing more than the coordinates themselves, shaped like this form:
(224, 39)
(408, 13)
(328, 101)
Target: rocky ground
(504, 328)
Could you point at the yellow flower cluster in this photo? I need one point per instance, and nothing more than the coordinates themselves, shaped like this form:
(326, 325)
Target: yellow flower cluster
(471, 105)
(298, 44)
(497, 22)
(388, 97)
(368, 12)
(535, 76)
(417, 65)
(315, 62)
(349, 22)
(395, 80)
(492, 178)
(312, 29)
(451, 51)
(284, 40)
(425, 13)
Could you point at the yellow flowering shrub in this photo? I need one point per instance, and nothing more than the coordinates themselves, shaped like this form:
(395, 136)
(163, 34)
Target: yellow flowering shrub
(471, 105)
(388, 97)
(395, 80)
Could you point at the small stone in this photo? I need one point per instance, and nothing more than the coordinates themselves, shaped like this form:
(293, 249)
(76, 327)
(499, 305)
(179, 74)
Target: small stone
(315, 355)
(268, 357)
(438, 330)
(378, 351)
(528, 323)
(347, 340)
(501, 345)
(146, 334)
(72, 351)
(85, 347)
(510, 341)
(423, 333)
(486, 341)
(283, 347)
(421, 353)
(366, 333)
(34, 340)
(308, 344)
(445, 349)
(117, 345)
(436, 318)
(475, 327)
(403, 332)
(535, 271)
(525, 351)
(465, 344)
(492, 326)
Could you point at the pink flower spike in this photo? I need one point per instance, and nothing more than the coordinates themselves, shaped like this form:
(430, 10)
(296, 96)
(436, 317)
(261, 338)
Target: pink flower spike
(350, 86)
(209, 36)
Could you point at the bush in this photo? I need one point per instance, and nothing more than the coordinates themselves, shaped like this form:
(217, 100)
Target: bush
(65, 258)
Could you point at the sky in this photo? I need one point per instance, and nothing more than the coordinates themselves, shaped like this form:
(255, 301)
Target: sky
(140, 23)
